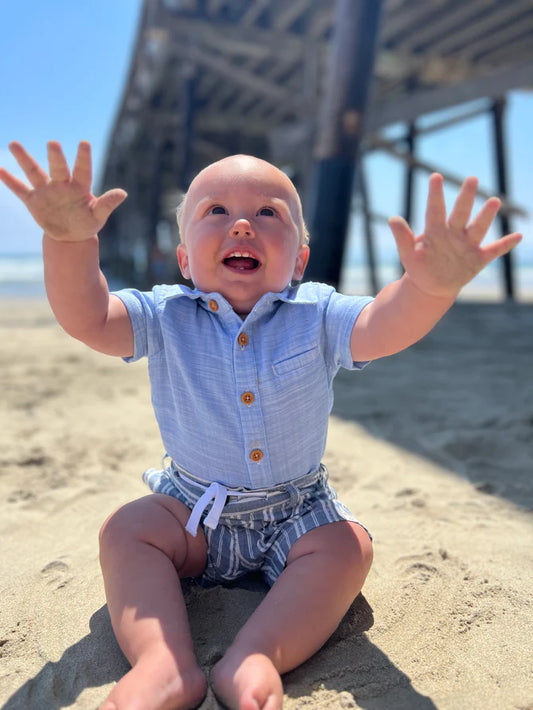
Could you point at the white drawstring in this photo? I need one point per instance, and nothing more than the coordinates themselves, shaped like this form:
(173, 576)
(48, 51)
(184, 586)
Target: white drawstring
(215, 492)
(218, 494)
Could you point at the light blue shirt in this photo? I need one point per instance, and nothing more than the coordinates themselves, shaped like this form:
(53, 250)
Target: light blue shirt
(243, 402)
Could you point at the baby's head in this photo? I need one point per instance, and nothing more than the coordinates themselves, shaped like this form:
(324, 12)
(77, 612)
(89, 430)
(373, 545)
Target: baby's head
(242, 160)
(242, 231)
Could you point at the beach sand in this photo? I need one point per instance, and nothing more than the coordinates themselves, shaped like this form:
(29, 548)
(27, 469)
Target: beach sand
(432, 449)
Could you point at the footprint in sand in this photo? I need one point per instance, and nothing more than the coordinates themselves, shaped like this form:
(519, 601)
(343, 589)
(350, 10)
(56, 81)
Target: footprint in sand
(57, 574)
(419, 568)
(20, 495)
(412, 496)
(13, 638)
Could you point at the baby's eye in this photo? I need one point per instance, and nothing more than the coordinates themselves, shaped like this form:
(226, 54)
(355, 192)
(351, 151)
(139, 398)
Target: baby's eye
(266, 212)
(217, 209)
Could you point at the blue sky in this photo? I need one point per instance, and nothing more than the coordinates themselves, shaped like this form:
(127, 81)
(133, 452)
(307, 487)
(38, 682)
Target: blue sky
(64, 66)
(63, 71)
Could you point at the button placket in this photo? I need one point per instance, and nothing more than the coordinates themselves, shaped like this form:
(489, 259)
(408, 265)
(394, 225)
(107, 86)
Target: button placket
(250, 412)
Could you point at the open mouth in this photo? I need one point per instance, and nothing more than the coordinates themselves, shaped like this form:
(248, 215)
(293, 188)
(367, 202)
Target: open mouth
(241, 261)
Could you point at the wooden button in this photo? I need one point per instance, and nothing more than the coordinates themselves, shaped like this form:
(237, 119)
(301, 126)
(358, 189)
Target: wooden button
(242, 339)
(213, 305)
(256, 455)
(247, 397)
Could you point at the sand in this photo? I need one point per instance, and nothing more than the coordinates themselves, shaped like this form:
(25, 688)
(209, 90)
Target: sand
(432, 449)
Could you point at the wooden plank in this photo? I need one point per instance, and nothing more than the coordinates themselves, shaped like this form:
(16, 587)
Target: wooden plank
(439, 125)
(258, 46)
(298, 54)
(213, 151)
(253, 12)
(231, 47)
(275, 76)
(214, 6)
(378, 143)
(278, 43)
(398, 21)
(234, 73)
(223, 124)
(285, 62)
(290, 12)
(510, 53)
(505, 35)
(408, 107)
(461, 39)
(431, 32)
(322, 21)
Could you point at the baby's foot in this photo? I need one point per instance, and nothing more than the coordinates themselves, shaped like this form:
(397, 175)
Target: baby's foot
(153, 684)
(249, 683)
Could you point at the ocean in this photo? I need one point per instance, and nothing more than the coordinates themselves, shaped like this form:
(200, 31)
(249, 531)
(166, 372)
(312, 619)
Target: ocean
(21, 275)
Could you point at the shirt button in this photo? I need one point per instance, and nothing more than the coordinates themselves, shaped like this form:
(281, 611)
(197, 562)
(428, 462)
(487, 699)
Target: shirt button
(213, 305)
(242, 339)
(256, 455)
(247, 397)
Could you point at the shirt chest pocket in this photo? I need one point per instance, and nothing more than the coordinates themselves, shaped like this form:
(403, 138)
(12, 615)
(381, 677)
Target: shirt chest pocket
(299, 383)
(297, 362)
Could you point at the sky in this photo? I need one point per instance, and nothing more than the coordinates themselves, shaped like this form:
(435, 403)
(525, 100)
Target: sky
(63, 71)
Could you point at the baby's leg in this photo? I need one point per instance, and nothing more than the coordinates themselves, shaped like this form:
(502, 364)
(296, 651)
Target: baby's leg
(144, 550)
(325, 571)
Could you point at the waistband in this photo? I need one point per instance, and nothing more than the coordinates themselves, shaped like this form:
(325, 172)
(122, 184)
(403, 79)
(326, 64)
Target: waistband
(217, 494)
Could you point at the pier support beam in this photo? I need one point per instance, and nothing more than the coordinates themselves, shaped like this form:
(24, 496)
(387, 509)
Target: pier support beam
(328, 203)
(498, 115)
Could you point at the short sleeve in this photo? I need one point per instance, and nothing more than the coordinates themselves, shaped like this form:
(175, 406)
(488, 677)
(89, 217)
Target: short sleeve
(143, 312)
(341, 313)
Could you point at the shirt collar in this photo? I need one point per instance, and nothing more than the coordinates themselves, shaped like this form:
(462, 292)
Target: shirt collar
(292, 294)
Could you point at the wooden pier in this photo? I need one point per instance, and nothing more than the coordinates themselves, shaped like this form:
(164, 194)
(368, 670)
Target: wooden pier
(309, 85)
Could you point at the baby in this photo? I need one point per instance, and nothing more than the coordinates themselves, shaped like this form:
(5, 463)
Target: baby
(241, 370)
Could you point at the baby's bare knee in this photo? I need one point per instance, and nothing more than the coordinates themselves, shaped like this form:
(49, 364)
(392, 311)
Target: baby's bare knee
(346, 549)
(366, 550)
(140, 520)
(355, 552)
(121, 528)
(157, 522)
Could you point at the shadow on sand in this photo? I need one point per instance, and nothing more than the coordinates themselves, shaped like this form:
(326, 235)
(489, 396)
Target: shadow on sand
(96, 660)
(93, 661)
(462, 397)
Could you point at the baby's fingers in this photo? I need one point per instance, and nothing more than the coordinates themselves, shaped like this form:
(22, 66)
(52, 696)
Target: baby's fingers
(108, 202)
(403, 236)
(435, 206)
(35, 174)
(82, 171)
(17, 187)
(482, 221)
(57, 163)
(500, 247)
(460, 214)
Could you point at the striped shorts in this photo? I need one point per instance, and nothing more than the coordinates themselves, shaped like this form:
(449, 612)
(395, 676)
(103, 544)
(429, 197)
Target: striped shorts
(250, 530)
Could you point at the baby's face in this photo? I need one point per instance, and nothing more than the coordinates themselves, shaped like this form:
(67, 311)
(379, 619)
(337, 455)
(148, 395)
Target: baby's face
(242, 231)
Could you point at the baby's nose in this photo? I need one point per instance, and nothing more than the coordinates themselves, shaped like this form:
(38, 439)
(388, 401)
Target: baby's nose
(242, 229)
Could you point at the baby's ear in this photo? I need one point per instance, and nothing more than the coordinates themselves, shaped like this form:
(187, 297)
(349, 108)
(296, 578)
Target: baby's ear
(301, 262)
(183, 261)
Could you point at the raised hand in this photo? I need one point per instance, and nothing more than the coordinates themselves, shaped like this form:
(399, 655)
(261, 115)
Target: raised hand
(448, 254)
(61, 202)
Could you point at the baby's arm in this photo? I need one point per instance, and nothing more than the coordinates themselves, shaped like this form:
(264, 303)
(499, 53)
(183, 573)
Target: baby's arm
(71, 217)
(437, 265)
